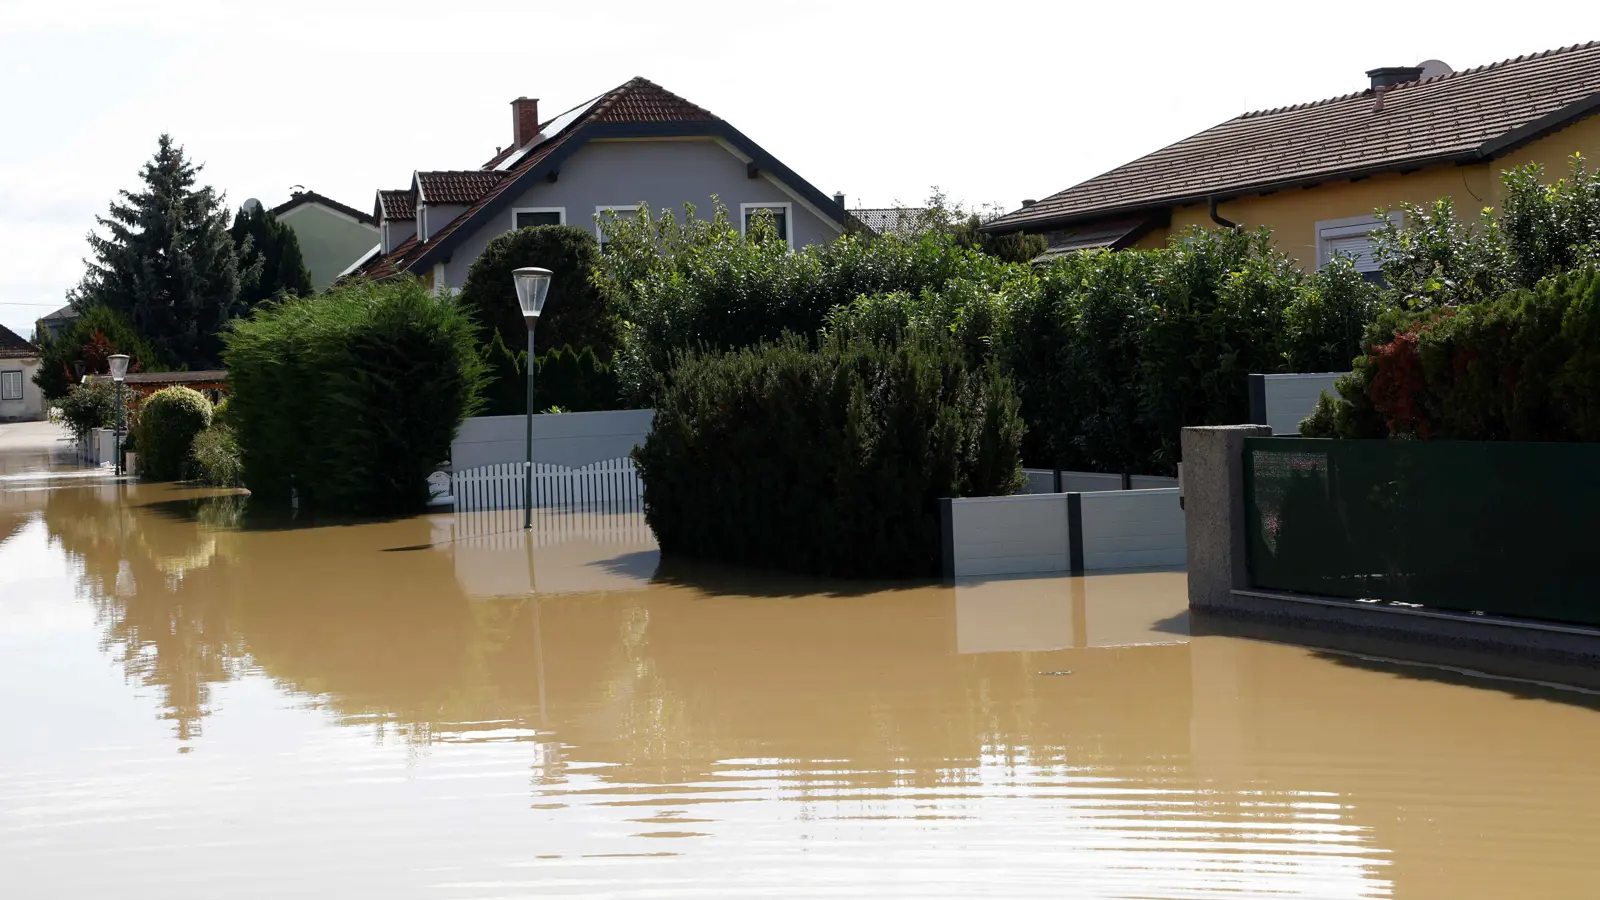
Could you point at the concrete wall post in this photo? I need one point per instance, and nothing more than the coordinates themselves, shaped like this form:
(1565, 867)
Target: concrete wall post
(1213, 493)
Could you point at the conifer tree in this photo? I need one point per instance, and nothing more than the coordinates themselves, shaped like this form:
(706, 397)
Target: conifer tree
(166, 262)
(269, 257)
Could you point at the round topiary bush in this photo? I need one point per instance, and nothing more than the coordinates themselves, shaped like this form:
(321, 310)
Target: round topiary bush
(169, 419)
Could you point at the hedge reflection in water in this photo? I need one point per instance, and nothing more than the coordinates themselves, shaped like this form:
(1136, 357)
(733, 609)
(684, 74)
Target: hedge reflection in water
(623, 688)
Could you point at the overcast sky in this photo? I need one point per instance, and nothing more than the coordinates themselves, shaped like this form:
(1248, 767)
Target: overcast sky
(993, 102)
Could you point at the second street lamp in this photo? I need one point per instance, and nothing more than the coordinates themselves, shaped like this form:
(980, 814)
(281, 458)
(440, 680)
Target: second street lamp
(119, 373)
(533, 284)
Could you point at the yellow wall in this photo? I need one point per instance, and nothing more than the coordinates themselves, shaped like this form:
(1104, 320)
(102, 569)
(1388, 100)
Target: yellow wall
(1293, 213)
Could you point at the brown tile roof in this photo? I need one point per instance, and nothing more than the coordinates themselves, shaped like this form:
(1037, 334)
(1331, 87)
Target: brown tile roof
(396, 205)
(456, 187)
(637, 101)
(13, 346)
(642, 100)
(1472, 114)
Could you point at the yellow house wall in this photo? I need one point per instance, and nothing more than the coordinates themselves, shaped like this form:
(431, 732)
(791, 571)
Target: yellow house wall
(1293, 213)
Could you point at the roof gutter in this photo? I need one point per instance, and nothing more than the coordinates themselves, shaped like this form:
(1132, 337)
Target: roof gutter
(1211, 209)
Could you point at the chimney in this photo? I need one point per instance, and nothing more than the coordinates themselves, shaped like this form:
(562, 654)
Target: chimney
(1028, 203)
(1389, 76)
(838, 198)
(524, 121)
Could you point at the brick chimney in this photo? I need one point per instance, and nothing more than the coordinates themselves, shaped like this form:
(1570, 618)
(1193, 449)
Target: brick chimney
(524, 121)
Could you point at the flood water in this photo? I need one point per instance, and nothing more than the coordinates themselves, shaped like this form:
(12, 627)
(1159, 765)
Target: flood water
(201, 705)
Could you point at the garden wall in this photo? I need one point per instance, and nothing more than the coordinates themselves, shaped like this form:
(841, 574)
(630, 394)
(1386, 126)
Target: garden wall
(1067, 532)
(1283, 401)
(563, 439)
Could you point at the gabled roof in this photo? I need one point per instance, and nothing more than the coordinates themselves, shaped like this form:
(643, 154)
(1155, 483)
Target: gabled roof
(12, 345)
(64, 314)
(1470, 115)
(303, 197)
(460, 187)
(395, 205)
(890, 220)
(639, 108)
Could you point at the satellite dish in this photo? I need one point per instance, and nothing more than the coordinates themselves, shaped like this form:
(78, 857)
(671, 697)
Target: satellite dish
(251, 205)
(1433, 68)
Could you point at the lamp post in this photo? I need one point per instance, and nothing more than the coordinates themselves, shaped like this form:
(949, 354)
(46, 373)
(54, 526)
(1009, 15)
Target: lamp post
(119, 373)
(533, 284)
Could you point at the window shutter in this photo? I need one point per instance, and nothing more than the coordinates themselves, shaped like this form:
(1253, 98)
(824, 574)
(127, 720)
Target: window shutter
(1358, 247)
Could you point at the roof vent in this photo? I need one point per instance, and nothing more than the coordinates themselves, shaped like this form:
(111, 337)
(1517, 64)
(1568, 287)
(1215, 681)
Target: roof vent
(1388, 76)
(1028, 203)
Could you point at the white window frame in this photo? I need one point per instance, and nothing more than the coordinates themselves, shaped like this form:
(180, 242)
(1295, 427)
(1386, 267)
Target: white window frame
(422, 223)
(600, 210)
(5, 377)
(788, 218)
(1329, 230)
(559, 210)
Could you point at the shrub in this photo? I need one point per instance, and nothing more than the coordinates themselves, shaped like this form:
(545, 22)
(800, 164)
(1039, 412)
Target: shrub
(351, 398)
(1521, 367)
(214, 458)
(169, 419)
(827, 461)
(577, 380)
(88, 406)
(685, 283)
(97, 333)
(575, 313)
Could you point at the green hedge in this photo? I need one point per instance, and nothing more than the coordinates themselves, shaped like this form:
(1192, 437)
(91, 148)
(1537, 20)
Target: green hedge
(828, 461)
(575, 380)
(169, 419)
(351, 398)
(214, 458)
(1523, 367)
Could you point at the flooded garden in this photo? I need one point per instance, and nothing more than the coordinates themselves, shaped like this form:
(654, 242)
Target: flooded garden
(200, 703)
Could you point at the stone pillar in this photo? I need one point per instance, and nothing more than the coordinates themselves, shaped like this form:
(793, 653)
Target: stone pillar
(1213, 495)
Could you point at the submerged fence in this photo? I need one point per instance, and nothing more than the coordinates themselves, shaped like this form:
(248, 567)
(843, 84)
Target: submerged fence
(610, 485)
(1494, 527)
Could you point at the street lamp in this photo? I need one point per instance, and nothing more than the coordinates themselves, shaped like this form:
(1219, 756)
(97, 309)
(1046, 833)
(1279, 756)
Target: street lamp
(533, 284)
(119, 373)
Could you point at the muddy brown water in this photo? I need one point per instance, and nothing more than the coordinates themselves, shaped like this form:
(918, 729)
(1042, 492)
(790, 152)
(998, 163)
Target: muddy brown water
(199, 704)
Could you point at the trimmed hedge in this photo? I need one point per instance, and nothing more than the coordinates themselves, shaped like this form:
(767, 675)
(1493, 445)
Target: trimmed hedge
(575, 380)
(1523, 367)
(351, 399)
(169, 419)
(828, 461)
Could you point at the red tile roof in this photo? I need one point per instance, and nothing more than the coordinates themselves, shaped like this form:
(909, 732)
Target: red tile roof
(456, 187)
(636, 102)
(396, 205)
(1463, 115)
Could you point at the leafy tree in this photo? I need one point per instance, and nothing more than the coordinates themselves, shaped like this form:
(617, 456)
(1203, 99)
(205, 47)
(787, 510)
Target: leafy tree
(166, 262)
(574, 314)
(82, 349)
(270, 264)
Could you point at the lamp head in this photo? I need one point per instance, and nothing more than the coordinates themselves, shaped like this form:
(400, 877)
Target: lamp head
(533, 284)
(119, 366)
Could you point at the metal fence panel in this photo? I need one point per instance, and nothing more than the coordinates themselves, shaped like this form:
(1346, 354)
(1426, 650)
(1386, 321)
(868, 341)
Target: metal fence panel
(1495, 527)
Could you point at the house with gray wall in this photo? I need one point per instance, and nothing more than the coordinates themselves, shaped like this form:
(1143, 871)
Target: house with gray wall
(332, 236)
(638, 143)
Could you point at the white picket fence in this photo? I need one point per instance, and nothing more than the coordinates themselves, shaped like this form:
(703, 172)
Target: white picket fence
(610, 486)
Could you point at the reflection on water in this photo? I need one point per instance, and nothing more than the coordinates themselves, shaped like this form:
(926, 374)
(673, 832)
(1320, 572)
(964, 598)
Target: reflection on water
(443, 708)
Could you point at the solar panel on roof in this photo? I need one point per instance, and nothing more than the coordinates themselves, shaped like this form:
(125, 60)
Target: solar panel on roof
(549, 130)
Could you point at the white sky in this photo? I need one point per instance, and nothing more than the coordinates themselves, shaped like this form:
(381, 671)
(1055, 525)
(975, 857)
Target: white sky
(993, 102)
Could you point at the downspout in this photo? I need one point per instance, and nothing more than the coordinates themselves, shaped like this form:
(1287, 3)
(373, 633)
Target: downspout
(1212, 208)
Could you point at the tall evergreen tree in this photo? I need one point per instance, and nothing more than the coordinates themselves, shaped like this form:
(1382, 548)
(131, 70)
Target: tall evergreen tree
(166, 262)
(269, 257)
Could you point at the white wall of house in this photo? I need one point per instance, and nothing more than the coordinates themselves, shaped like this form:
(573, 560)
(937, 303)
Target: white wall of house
(16, 377)
(663, 173)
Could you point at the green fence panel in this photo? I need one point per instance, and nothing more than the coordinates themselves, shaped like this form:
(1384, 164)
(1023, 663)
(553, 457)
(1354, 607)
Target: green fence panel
(1504, 528)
